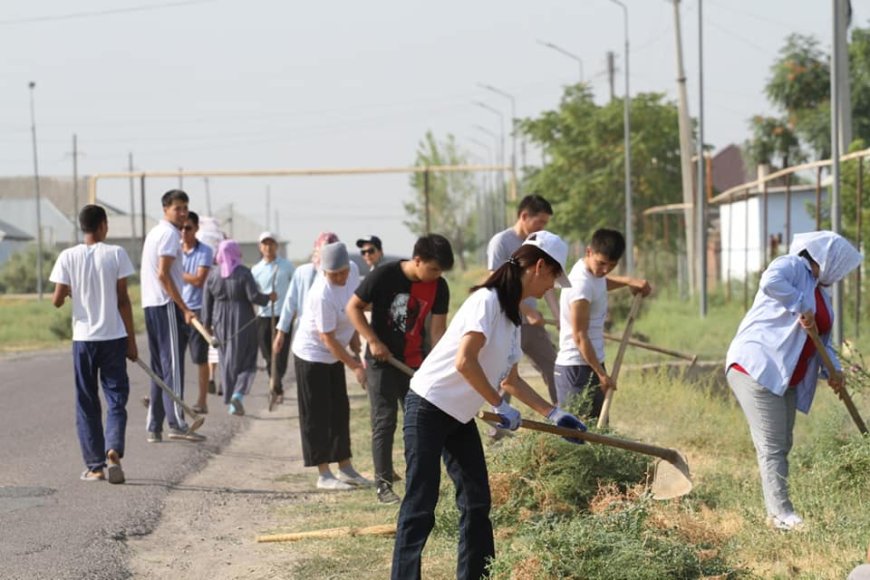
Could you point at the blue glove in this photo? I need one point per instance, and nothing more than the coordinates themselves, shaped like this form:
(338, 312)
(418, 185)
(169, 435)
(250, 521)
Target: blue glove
(562, 419)
(510, 417)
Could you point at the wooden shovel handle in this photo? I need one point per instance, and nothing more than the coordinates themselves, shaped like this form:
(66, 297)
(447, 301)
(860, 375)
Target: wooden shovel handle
(205, 334)
(400, 365)
(604, 417)
(645, 448)
(829, 366)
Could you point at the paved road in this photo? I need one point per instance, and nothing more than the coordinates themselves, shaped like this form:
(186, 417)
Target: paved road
(54, 526)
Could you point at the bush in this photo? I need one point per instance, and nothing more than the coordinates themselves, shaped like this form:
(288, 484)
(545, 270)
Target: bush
(18, 275)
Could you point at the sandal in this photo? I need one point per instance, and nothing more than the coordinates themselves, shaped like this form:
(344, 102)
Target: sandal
(88, 475)
(114, 473)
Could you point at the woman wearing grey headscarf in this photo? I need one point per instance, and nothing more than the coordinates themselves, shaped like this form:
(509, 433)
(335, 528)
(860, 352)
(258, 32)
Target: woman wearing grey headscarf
(772, 365)
(320, 356)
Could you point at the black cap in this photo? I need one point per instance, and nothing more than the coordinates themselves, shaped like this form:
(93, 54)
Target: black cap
(374, 240)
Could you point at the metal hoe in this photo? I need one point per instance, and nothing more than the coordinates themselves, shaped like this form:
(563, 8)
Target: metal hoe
(198, 420)
(671, 477)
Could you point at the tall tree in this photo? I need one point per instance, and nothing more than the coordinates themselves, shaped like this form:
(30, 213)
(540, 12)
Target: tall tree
(452, 196)
(773, 139)
(584, 178)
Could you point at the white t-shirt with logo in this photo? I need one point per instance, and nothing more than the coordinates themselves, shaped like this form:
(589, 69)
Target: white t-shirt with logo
(324, 312)
(92, 273)
(584, 286)
(440, 383)
(164, 239)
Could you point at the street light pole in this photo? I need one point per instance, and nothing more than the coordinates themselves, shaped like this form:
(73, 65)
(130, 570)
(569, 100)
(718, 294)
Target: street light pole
(513, 131)
(629, 229)
(32, 87)
(702, 181)
(564, 52)
(501, 148)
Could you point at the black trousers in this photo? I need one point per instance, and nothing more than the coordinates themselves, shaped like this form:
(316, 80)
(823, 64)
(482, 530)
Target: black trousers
(324, 412)
(387, 387)
(264, 339)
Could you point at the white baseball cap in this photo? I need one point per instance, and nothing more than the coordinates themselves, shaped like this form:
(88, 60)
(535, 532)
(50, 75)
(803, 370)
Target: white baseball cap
(553, 246)
(268, 236)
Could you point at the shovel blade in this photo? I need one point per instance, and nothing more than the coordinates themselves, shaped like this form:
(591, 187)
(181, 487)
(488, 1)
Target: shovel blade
(671, 479)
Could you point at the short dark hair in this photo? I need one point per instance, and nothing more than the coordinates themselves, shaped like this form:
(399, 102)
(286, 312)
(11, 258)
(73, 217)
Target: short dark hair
(534, 204)
(174, 195)
(435, 247)
(91, 217)
(194, 217)
(610, 243)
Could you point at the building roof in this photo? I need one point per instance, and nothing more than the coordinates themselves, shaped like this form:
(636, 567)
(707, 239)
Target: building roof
(10, 232)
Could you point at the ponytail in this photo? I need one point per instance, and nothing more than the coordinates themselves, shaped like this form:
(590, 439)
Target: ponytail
(507, 280)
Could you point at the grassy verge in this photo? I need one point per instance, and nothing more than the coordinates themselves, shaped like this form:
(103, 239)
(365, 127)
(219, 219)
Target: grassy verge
(563, 511)
(27, 323)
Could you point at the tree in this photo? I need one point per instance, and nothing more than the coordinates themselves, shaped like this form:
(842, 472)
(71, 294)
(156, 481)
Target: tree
(585, 176)
(452, 197)
(18, 275)
(773, 139)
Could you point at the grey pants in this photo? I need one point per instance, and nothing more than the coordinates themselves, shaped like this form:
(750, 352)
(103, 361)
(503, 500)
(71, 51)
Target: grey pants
(536, 345)
(771, 423)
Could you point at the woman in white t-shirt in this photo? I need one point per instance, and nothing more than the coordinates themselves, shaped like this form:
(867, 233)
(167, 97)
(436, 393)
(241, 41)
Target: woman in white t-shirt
(478, 352)
(320, 355)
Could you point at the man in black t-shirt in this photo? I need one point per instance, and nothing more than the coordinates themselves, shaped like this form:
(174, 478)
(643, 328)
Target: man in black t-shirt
(401, 295)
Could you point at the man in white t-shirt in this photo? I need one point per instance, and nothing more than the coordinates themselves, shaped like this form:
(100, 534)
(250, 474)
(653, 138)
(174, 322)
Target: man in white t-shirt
(580, 362)
(533, 215)
(166, 315)
(94, 275)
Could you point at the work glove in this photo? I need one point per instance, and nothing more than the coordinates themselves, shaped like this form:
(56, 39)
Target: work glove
(510, 417)
(560, 418)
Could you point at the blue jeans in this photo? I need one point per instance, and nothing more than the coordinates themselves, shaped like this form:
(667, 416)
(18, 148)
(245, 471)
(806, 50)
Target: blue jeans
(94, 362)
(431, 434)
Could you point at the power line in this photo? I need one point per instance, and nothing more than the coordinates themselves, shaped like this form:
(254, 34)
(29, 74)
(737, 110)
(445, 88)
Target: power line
(93, 13)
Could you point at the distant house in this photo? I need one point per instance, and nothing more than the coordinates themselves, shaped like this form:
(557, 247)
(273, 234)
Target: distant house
(741, 228)
(12, 241)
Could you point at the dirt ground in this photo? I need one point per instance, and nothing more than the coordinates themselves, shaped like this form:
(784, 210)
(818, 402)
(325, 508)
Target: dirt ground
(210, 522)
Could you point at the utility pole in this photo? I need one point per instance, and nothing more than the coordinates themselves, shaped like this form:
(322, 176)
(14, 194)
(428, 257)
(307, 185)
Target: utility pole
(75, 156)
(685, 151)
(513, 101)
(841, 46)
(702, 165)
(32, 87)
(180, 178)
(132, 197)
(207, 197)
(611, 73)
(836, 72)
(268, 207)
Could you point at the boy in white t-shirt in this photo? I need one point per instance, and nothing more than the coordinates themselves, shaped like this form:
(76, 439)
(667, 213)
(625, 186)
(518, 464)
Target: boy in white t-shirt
(583, 307)
(94, 275)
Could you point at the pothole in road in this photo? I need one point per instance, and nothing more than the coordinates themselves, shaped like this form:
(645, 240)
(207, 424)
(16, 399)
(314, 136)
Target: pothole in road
(15, 498)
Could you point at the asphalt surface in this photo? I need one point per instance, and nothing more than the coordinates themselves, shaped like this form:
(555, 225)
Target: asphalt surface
(54, 526)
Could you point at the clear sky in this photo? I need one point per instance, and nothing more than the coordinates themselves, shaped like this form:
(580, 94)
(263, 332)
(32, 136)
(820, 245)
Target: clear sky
(256, 84)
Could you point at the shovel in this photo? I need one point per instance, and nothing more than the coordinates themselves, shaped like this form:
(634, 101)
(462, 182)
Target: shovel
(273, 365)
(671, 477)
(198, 420)
(205, 334)
(604, 416)
(829, 366)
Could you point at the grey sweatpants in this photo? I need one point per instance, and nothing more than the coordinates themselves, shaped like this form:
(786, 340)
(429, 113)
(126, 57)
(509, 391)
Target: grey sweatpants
(771, 423)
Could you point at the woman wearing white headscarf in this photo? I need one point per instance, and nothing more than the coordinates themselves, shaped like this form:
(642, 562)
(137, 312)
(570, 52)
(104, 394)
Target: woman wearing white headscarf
(772, 365)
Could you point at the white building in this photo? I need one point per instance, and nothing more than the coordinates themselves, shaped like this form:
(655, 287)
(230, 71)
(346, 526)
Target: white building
(742, 229)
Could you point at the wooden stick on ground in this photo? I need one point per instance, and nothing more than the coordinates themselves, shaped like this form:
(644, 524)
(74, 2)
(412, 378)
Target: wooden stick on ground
(382, 530)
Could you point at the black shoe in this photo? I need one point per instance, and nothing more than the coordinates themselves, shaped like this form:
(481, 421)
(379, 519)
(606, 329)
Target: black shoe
(386, 495)
(212, 388)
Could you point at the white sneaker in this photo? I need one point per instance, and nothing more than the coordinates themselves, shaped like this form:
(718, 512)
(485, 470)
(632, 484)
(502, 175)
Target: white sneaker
(332, 484)
(354, 478)
(789, 521)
